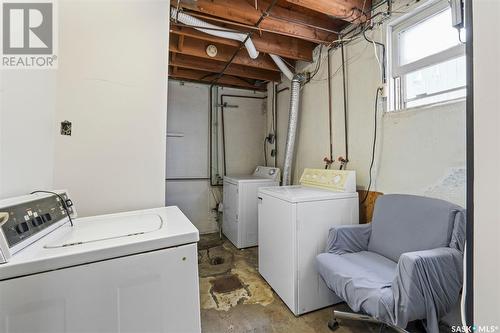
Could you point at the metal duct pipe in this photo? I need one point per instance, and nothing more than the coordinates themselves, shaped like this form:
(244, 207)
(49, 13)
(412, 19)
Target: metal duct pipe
(293, 118)
(214, 30)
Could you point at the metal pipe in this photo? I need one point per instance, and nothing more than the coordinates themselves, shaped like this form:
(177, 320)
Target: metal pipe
(344, 86)
(223, 133)
(211, 138)
(330, 107)
(292, 128)
(222, 122)
(275, 118)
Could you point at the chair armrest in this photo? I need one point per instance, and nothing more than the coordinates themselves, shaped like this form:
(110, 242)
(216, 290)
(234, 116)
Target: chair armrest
(348, 238)
(427, 285)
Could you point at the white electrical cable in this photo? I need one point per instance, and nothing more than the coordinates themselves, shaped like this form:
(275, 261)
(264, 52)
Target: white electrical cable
(378, 59)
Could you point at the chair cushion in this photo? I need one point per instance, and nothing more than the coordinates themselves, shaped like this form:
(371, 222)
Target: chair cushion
(406, 223)
(362, 279)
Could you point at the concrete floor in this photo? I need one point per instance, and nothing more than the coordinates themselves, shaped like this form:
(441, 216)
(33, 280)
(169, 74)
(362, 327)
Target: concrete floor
(235, 298)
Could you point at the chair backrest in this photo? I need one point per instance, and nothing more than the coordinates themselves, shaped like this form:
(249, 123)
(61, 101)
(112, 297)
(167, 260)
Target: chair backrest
(406, 223)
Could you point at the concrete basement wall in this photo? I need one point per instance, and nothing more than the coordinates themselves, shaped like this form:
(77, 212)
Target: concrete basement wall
(419, 151)
(187, 164)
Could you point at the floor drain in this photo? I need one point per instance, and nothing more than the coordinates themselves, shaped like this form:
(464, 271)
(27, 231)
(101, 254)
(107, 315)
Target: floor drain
(226, 284)
(216, 261)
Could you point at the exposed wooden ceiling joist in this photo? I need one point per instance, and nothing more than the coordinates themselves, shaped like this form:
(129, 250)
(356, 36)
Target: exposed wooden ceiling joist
(225, 80)
(197, 48)
(282, 20)
(284, 46)
(212, 66)
(347, 10)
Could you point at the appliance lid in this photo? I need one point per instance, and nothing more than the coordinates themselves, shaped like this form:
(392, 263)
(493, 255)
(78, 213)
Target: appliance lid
(248, 179)
(300, 193)
(107, 227)
(104, 237)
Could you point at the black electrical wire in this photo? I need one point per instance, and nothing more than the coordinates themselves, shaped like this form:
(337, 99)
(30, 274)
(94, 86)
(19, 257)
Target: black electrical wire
(265, 151)
(318, 64)
(63, 202)
(374, 144)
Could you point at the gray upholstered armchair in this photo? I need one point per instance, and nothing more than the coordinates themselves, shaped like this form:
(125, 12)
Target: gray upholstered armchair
(406, 265)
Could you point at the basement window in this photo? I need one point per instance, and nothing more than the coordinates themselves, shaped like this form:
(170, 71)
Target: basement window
(427, 58)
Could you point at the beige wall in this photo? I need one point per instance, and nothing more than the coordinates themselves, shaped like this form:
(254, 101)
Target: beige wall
(419, 151)
(188, 154)
(486, 163)
(112, 85)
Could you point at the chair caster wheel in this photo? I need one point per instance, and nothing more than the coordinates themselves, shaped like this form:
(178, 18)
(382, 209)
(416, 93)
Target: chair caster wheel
(333, 324)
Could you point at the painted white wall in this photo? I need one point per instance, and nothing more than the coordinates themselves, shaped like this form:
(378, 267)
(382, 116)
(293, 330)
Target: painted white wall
(486, 163)
(419, 151)
(188, 155)
(112, 85)
(27, 130)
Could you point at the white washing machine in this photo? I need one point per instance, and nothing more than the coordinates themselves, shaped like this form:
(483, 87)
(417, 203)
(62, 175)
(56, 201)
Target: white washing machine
(126, 272)
(294, 222)
(240, 204)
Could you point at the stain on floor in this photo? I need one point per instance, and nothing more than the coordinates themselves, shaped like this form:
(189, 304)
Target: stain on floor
(235, 298)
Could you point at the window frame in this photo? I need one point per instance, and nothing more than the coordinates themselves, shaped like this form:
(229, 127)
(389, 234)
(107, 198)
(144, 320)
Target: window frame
(397, 72)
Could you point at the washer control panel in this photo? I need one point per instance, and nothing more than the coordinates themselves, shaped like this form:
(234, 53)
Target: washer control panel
(27, 219)
(334, 180)
(267, 172)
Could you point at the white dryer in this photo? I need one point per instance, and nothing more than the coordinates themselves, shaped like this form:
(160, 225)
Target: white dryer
(293, 228)
(240, 204)
(127, 272)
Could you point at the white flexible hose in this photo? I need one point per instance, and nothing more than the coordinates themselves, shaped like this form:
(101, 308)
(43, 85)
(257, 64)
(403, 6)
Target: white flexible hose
(282, 66)
(214, 30)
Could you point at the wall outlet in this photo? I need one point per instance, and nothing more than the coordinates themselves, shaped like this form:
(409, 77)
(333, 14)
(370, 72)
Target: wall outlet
(384, 90)
(66, 128)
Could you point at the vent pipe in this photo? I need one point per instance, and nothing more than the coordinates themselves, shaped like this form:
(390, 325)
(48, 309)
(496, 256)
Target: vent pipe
(296, 79)
(214, 30)
(282, 66)
(293, 119)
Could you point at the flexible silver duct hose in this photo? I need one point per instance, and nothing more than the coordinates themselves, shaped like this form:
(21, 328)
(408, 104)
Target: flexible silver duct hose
(293, 118)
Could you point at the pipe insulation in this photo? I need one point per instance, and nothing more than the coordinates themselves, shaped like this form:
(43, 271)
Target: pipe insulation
(293, 118)
(214, 30)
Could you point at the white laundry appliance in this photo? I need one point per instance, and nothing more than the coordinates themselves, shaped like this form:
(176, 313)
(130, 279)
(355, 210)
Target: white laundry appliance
(293, 228)
(127, 272)
(240, 204)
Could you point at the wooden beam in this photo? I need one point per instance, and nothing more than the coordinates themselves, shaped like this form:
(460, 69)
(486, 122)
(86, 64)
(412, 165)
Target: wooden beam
(243, 11)
(347, 10)
(180, 42)
(197, 48)
(284, 46)
(229, 81)
(189, 62)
